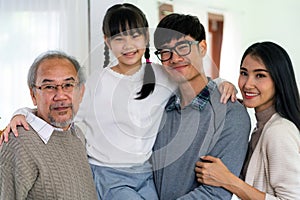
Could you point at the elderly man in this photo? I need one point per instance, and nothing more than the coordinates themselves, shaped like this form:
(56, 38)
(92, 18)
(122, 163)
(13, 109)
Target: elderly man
(49, 161)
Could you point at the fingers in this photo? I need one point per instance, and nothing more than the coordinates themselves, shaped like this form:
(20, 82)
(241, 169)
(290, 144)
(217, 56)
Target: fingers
(226, 94)
(201, 166)
(198, 167)
(228, 91)
(222, 89)
(233, 94)
(18, 120)
(204, 161)
(14, 130)
(210, 159)
(6, 133)
(200, 180)
(201, 173)
(1, 137)
(233, 97)
(24, 123)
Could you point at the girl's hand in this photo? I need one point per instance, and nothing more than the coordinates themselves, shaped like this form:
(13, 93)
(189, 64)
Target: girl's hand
(18, 120)
(212, 171)
(228, 91)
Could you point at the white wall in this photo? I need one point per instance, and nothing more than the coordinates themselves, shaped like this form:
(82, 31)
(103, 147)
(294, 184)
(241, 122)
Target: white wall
(271, 20)
(29, 28)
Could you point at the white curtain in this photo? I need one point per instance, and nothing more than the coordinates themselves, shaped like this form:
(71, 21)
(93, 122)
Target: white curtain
(28, 28)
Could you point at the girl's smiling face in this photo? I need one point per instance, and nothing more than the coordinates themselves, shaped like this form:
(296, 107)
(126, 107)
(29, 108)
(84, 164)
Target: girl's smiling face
(128, 47)
(256, 84)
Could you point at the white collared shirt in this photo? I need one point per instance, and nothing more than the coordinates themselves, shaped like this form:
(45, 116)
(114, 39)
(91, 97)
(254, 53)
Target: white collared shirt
(43, 129)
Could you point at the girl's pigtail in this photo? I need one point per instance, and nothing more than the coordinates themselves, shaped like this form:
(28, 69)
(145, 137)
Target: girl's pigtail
(149, 78)
(106, 56)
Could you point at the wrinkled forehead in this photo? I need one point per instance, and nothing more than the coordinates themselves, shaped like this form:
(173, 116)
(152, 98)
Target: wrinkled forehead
(56, 70)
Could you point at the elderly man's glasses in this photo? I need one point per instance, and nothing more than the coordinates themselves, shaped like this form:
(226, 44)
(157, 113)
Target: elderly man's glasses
(52, 88)
(182, 48)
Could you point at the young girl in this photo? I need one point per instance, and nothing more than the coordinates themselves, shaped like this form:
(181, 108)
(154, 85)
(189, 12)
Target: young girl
(122, 108)
(271, 170)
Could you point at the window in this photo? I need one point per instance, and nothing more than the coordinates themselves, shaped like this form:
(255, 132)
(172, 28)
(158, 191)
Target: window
(28, 28)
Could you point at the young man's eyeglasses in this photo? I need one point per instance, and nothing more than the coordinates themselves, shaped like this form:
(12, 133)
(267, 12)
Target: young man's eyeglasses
(52, 88)
(181, 48)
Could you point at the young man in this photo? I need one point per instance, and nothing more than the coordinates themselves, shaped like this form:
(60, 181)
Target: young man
(49, 161)
(195, 123)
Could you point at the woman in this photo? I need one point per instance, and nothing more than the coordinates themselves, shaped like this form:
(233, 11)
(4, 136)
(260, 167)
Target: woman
(272, 167)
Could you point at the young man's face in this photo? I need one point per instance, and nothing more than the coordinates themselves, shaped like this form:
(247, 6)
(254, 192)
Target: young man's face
(57, 93)
(183, 68)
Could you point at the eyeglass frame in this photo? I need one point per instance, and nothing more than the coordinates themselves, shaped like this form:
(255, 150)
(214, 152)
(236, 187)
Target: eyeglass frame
(55, 87)
(171, 50)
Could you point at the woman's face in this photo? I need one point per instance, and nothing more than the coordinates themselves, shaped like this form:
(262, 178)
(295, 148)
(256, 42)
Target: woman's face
(256, 84)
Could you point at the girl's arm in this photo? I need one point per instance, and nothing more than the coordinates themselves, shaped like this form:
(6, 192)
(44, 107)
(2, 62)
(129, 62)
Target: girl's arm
(212, 171)
(19, 119)
(227, 89)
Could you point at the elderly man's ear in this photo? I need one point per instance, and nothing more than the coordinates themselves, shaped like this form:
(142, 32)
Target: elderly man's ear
(82, 89)
(32, 94)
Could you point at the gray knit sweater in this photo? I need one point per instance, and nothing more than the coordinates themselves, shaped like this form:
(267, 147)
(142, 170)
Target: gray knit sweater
(30, 169)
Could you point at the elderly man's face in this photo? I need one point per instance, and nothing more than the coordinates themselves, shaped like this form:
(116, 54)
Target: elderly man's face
(57, 94)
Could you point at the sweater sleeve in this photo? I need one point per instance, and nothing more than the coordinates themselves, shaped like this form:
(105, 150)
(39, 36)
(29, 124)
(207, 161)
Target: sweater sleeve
(17, 171)
(231, 148)
(281, 150)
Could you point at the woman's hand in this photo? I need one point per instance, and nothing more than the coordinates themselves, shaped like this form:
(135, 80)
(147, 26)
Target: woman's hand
(212, 171)
(17, 120)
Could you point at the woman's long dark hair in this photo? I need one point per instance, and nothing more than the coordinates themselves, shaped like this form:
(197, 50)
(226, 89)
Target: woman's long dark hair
(124, 17)
(278, 63)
